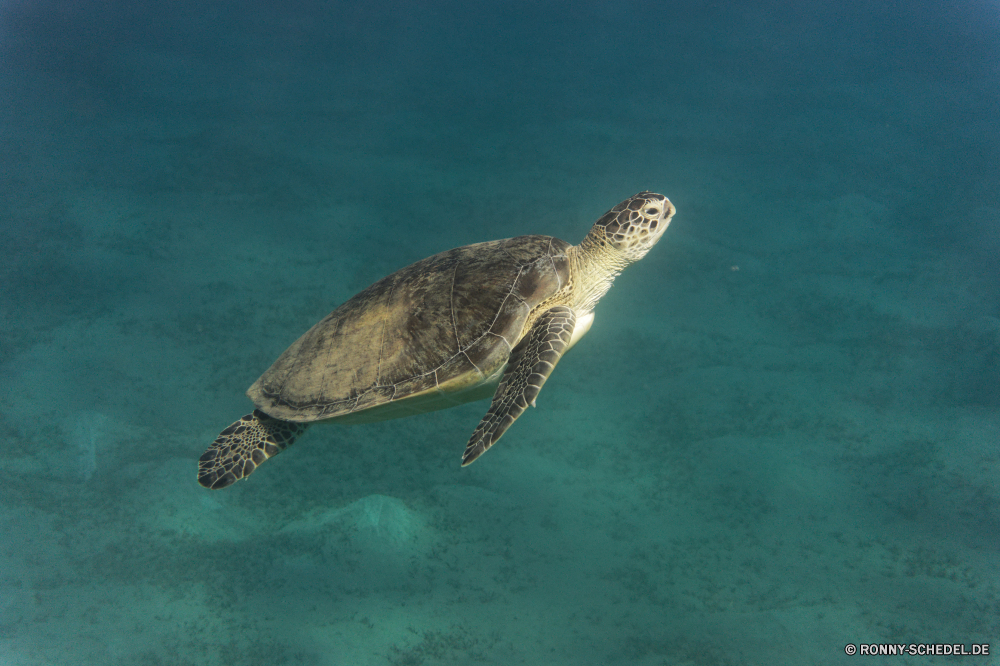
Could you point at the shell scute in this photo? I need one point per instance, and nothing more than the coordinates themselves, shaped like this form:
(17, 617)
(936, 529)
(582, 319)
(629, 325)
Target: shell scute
(489, 353)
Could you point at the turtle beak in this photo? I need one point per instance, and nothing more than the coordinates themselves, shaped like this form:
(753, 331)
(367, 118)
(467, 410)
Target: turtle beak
(668, 211)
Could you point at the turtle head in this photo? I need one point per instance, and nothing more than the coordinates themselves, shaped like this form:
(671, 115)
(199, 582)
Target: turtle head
(633, 226)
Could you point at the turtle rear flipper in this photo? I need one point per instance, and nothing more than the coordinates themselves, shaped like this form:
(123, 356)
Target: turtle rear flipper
(531, 362)
(243, 446)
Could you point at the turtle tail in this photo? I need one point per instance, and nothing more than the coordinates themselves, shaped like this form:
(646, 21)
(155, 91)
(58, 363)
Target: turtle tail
(243, 446)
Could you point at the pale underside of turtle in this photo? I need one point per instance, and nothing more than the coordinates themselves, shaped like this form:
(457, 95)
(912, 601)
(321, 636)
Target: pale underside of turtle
(487, 319)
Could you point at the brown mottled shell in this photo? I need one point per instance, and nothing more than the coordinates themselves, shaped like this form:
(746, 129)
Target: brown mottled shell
(431, 335)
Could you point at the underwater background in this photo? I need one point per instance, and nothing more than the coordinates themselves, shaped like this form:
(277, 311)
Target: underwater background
(780, 437)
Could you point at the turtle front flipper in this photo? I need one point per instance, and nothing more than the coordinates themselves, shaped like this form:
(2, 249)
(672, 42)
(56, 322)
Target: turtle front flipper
(243, 446)
(530, 364)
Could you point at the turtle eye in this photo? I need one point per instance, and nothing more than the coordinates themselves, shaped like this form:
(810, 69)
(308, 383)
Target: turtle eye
(652, 211)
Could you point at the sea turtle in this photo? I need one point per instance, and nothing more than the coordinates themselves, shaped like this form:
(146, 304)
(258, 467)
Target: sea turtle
(486, 319)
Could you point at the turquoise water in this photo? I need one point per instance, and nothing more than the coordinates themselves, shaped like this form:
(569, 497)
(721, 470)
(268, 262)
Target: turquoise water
(778, 438)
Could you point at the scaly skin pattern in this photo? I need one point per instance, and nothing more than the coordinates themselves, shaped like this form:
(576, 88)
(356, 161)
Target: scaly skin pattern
(243, 446)
(531, 363)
